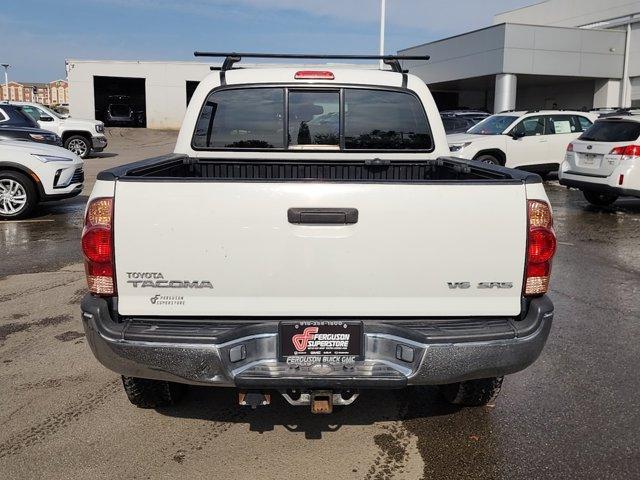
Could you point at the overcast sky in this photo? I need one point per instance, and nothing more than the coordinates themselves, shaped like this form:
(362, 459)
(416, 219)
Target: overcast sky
(37, 35)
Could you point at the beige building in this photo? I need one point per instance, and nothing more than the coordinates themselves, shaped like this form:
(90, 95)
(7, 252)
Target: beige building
(52, 93)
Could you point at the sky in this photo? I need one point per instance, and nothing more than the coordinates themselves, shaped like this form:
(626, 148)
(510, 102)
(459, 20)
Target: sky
(38, 35)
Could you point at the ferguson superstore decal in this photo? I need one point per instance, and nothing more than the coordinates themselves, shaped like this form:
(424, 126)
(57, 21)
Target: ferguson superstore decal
(167, 300)
(313, 342)
(157, 280)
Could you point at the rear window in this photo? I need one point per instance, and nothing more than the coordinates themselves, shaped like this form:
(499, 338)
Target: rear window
(383, 120)
(317, 119)
(248, 118)
(612, 131)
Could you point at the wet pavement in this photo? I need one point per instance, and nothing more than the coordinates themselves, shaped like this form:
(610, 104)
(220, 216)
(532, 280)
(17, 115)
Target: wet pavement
(574, 414)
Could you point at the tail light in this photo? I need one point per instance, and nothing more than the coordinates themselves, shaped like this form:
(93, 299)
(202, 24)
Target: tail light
(626, 151)
(314, 75)
(570, 147)
(541, 246)
(97, 246)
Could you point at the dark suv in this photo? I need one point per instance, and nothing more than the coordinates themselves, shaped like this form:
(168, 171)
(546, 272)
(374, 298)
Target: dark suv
(17, 125)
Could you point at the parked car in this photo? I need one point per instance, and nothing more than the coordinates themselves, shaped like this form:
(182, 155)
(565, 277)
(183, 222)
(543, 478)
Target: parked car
(315, 258)
(453, 124)
(82, 137)
(122, 112)
(17, 125)
(475, 114)
(603, 110)
(62, 110)
(31, 173)
(529, 140)
(461, 122)
(604, 162)
(620, 112)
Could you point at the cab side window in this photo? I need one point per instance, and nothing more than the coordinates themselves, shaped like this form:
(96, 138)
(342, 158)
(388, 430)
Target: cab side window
(530, 126)
(559, 124)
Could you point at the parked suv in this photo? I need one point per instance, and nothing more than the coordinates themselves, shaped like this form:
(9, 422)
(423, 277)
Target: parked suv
(310, 235)
(31, 173)
(533, 140)
(604, 162)
(17, 125)
(82, 137)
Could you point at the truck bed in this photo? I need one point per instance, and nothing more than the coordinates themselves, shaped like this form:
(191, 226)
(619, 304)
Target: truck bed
(444, 169)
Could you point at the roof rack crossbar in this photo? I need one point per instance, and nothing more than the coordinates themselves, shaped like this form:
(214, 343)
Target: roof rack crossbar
(230, 58)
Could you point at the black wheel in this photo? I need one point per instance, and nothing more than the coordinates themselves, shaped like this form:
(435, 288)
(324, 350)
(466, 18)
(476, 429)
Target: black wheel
(18, 195)
(145, 393)
(472, 393)
(79, 145)
(599, 199)
(486, 158)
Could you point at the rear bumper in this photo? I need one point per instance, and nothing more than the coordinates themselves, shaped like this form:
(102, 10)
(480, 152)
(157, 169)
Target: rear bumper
(626, 170)
(199, 352)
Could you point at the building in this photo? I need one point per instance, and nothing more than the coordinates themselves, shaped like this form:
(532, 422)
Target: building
(160, 90)
(51, 94)
(557, 53)
(59, 92)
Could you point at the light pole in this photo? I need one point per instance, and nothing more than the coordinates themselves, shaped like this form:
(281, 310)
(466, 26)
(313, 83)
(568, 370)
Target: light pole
(6, 79)
(383, 5)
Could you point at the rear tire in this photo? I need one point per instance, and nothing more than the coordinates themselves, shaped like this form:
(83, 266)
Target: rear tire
(145, 393)
(79, 145)
(18, 195)
(599, 199)
(472, 393)
(486, 158)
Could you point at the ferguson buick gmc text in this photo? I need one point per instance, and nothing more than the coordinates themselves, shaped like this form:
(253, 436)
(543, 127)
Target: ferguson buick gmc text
(310, 235)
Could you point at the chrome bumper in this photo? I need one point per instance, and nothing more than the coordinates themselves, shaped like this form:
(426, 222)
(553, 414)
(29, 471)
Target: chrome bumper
(202, 353)
(99, 143)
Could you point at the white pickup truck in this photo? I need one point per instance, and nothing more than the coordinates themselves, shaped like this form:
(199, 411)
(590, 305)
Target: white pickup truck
(310, 235)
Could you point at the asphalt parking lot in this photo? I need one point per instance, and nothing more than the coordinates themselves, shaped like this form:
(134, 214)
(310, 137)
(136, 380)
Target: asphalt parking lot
(574, 414)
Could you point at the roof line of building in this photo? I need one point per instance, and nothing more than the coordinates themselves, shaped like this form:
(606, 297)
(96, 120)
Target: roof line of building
(500, 25)
(520, 8)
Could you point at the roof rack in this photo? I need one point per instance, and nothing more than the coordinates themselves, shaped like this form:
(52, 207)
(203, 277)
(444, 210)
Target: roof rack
(230, 58)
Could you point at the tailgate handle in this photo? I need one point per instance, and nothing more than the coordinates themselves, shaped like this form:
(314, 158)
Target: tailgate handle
(323, 216)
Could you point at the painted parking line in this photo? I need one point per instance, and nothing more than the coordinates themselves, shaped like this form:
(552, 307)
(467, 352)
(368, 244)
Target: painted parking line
(34, 220)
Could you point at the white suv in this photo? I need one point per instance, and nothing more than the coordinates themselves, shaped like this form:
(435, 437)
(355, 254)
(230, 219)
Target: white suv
(604, 162)
(33, 172)
(534, 141)
(82, 137)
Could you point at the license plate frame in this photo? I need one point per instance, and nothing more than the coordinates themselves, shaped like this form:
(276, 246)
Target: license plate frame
(298, 342)
(589, 160)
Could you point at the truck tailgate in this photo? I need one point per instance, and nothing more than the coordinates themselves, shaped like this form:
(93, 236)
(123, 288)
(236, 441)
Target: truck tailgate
(228, 249)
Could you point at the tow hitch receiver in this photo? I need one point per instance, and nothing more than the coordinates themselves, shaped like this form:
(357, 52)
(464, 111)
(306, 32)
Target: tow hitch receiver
(253, 398)
(321, 401)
